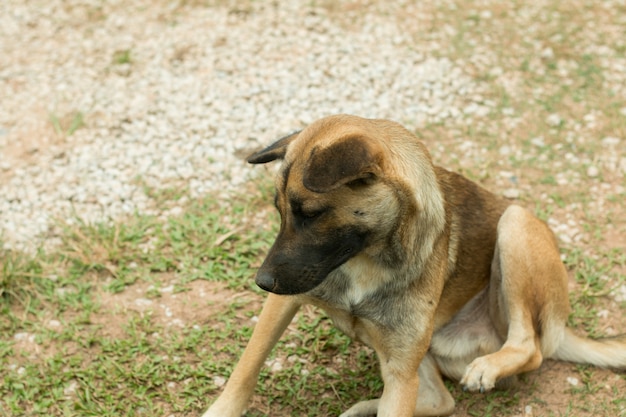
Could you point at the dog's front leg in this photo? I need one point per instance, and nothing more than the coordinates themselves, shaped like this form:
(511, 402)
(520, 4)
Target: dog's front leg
(400, 354)
(433, 398)
(400, 392)
(276, 315)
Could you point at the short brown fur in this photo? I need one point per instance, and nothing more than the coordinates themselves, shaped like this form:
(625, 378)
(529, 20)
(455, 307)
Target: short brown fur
(436, 274)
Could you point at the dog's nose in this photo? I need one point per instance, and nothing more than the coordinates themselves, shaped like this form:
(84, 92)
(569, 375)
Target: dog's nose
(265, 281)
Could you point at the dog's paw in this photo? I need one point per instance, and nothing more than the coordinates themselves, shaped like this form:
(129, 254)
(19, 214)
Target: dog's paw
(220, 409)
(362, 409)
(479, 375)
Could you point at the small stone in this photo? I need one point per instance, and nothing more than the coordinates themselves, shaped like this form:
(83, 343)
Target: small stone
(143, 302)
(619, 293)
(538, 142)
(178, 323)
(610, 141)
(70, 388)
(169, 288)
(554, 120)
(24, 337)
(511, 193)
(547, 53)
(572, 381)
(219, 381)
(275, 365)
(593, 171)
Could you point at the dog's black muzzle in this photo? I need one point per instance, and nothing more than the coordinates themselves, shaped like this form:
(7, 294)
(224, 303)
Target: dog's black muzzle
(295, 267)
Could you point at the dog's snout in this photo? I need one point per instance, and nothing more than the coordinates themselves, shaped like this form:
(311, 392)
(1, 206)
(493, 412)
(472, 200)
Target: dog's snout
(265, 280)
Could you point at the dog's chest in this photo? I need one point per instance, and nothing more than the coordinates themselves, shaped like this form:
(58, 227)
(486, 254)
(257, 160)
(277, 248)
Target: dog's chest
(353, 284)
(350, 296)
(364, 278)
(351, 325)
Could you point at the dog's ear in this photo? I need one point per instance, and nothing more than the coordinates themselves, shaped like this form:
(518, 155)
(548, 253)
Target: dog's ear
(345, 161)
(273, 152)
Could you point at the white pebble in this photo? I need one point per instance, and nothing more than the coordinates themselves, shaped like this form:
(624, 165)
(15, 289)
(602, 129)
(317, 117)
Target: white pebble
(572, 381)
(619, 293)
(511, 193)
(538, 142)
(169, 288)
(70, 388)
(554, 120)
(275, 365)
(610, 141)
(24, 337)
(219, 381)
(143, 302)
(593, 171)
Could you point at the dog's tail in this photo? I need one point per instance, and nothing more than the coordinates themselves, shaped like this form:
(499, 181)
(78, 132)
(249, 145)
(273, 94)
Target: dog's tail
(608, 352)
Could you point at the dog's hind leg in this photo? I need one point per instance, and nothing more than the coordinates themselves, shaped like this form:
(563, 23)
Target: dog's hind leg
(527, 298)
(276, 315)
(433, 398)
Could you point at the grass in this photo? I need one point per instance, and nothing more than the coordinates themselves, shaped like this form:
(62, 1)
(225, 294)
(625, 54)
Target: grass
(75, 342)
(66, 125)
(98, 361)
(94, 361)
(76, 368)
(122, 57)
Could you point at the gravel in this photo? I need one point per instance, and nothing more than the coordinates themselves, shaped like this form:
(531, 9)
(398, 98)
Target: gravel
(103, 104)
(101, 101)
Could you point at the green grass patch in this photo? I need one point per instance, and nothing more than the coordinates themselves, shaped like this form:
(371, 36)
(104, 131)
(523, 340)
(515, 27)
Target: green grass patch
(78, 367)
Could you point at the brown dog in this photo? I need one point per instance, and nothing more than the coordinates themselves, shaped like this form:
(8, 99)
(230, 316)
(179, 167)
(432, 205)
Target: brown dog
(436, 274)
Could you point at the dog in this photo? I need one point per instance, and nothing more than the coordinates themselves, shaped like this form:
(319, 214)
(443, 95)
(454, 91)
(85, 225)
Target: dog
(436, 274)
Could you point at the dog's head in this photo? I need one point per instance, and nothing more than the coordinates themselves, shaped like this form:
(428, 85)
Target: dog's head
(336, 199)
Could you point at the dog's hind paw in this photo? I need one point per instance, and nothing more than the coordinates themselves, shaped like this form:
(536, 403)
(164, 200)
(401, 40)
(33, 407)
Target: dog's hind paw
(479, 375)
(362, 409)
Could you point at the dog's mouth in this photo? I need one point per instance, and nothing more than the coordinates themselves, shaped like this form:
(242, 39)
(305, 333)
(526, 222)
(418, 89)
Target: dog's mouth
(288, 273)
(292, 280)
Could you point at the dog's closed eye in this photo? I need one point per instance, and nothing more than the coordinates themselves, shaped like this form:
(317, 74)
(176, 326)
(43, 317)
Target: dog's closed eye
(313, 214)
(308, 214)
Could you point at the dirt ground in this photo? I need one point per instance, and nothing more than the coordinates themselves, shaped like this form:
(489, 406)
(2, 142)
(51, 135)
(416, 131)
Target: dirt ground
(555, 389)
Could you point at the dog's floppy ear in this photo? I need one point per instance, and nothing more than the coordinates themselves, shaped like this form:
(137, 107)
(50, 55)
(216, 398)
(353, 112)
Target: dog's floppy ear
(273, 152)
(342, 162)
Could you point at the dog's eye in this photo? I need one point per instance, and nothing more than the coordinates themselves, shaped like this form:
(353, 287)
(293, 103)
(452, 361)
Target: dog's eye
(305, 217)
(312, 214)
